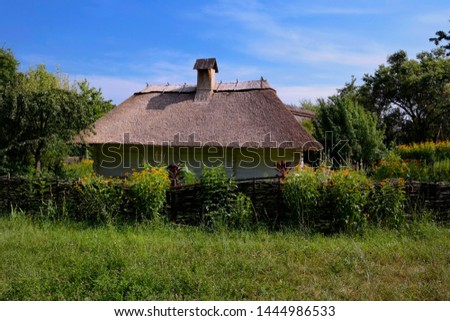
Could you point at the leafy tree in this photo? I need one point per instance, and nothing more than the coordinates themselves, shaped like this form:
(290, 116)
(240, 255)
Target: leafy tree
(8, 67)
(40, 112)
(95, 98)
(411, 97)
(347, 131)
(442, 36)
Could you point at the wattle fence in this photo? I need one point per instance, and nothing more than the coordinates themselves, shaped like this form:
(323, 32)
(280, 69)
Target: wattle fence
(183, 202)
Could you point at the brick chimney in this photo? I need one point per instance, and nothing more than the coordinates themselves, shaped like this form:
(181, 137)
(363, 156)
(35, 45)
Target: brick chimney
(206, 78)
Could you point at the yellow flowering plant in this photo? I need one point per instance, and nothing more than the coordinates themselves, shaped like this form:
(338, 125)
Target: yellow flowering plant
(148, 189)
(347, 193)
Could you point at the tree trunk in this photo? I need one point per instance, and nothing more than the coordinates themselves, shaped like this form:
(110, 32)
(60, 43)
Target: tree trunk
(37, 164)
(37, 159)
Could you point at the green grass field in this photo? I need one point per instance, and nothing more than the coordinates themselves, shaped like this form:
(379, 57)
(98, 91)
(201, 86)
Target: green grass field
(64, 261)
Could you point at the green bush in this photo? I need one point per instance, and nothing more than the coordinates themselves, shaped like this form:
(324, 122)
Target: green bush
(222, 205)
(78, 170)
(302, 193)
(148, 188)
(443, 150)
(387, 203)
(425, 151)
(189, 177)
(441, 170)
(100, 199)
(348, 192)
(391, 166)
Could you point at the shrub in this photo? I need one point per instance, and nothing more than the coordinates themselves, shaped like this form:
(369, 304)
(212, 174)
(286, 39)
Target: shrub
(189, 177)
(241, 213)
(387, 203)
(443, 150)
(347, 192)
(418, 171)
(391, 166)
(100, 199)
(419, 151)
(78, 170)
(222, 205)
(425, 151)
(441, 170)
(148, 188)
(302, 193)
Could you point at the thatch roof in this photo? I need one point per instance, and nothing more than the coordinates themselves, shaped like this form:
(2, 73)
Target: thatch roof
(300, 113)
(237, 114)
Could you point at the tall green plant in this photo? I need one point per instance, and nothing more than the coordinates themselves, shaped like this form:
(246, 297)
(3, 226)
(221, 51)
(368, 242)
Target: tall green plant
(302, 192)
(347, 131)
(387, 203)
(222, 205)
(100, 199)
(348, 192)
(149, 188)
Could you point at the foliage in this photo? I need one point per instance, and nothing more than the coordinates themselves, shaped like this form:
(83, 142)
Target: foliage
(40, 111)
(348, 193)
(100, 199)
(8, 68)
(302, 193)
(442, 36)
(391, 166)
(78, 170)
(387, 203)
(94, 98)
(141, 195)
(222, 205)
(346, 197)
(410, 96)
(347, 131)
(148, 188)
(441, 171)
(425, 162)
(189, 177)
(308, 125)
(425, 151)
(282, 168)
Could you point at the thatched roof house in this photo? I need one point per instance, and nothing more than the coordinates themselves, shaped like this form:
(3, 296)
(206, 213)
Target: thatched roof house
(232, 123)
(301, 114)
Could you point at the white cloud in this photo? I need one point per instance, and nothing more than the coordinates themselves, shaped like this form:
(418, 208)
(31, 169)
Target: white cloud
(268, 36)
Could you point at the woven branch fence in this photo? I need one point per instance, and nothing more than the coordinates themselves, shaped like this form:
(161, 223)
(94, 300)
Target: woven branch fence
(184, 205)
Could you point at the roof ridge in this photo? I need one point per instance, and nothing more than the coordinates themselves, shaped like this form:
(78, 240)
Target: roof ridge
(219, 87)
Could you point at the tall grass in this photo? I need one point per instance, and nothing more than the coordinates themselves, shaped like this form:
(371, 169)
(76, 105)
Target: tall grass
(62, 261)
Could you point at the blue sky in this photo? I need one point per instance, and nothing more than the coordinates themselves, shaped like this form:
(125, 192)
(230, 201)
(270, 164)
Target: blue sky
(306, 49)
